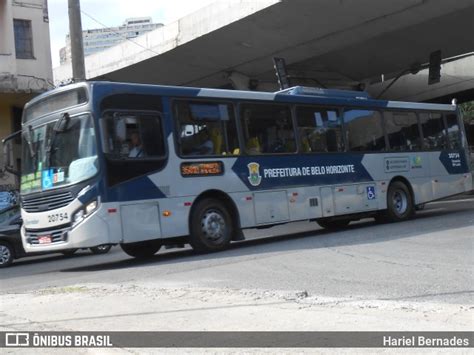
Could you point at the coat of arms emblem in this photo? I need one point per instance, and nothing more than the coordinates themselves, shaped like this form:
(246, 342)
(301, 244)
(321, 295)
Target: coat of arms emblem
(254, 174)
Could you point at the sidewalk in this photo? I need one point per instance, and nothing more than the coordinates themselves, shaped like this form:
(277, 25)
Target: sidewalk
(142, 306)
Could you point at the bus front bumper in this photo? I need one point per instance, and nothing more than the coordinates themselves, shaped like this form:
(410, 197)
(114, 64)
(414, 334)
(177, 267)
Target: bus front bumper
(85, 235)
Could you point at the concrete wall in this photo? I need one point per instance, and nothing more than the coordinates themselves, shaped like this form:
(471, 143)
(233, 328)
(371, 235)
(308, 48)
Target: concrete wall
(21, 79)
(7, 44)
(7, 181)
(456, 76)
(34, 74)
(166, 38)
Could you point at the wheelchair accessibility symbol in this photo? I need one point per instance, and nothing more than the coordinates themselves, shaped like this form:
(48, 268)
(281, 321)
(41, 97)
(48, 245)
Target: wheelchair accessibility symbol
(370, 192)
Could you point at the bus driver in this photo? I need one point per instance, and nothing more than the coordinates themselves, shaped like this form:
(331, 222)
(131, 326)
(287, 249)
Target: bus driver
(136, 150)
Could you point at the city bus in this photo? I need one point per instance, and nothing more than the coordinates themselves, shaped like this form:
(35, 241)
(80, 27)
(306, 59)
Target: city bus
(146, 165)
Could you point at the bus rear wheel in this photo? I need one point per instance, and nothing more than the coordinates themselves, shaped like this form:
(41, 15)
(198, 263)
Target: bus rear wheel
(211, 226)
(328, 223)
(142, 250)
(399, 202)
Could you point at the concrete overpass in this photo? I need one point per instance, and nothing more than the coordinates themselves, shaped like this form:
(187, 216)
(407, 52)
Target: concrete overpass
(339, 44)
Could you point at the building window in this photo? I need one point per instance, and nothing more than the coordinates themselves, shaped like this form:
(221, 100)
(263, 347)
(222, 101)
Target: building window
(23, 39)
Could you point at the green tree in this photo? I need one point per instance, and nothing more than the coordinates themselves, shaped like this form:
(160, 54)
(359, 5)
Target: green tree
(467, 108)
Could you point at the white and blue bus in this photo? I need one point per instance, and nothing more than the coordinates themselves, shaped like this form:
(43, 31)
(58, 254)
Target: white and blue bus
(144, 166)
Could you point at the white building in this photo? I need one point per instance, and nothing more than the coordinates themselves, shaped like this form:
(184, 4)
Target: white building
(25, 63)
(97, 40)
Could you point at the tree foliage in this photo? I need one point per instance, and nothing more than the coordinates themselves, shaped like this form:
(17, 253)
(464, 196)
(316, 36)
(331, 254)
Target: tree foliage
(467, 109)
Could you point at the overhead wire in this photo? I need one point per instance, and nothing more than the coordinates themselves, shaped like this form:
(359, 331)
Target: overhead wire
(117, 33)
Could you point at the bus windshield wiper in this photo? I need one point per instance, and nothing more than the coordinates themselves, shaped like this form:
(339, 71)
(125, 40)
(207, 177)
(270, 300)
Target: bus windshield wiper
(60, 126)
(29, 140)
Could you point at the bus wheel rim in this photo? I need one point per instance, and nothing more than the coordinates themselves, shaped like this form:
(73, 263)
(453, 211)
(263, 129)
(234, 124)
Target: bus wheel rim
(213, 225)
(400, 201)
(4, 254)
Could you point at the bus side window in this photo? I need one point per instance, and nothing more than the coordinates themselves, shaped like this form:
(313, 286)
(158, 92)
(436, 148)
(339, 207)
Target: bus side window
(134, 135)
(206, 128)
(454, 134)
(135, 144)
(319, 129)
(364, 130)
(434, 132)
(267, 128)
(403, 131)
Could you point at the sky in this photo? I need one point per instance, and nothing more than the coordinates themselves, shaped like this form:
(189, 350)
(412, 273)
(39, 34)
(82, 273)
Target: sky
(113, 13)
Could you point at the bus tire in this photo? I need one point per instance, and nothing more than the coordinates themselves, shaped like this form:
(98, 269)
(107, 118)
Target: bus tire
(101, 249)
(328, 223)
(69, 252)
(7, 254)
(141, 250)
(399, 202)
(211, 226)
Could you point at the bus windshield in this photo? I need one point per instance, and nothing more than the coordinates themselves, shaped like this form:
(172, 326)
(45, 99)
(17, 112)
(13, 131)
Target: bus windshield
(58, 153)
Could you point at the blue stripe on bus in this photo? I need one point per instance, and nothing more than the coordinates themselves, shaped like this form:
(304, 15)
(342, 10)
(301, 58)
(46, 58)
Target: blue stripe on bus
(137, 189)
(89, 195)
(454, 161)
(269, 172)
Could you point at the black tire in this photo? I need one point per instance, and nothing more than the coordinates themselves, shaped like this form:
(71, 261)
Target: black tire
(211, 226)
(7, 254)
(142, 250)
(101, 249)
(399, 202)
(333, 224)
(69, 252)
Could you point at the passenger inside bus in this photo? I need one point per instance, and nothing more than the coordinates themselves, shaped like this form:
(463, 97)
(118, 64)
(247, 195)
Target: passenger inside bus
(267, 129)
(206, 128)
(204, 145)
(136, 148)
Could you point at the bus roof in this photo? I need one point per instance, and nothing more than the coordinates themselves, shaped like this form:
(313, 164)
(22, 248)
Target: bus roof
(301, 95)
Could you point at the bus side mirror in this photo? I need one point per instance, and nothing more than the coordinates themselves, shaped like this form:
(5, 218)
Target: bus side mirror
(9, 154)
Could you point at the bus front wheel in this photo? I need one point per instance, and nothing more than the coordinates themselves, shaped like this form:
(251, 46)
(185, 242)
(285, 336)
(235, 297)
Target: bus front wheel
(101, 249)
(142, 250)
(399, 202)
(211, 226)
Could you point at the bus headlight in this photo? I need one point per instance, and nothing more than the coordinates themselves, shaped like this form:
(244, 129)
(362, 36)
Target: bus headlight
(82, 213)
(91, 207)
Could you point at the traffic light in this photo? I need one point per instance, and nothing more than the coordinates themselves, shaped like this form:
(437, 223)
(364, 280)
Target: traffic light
(282, 75)
(434, 75)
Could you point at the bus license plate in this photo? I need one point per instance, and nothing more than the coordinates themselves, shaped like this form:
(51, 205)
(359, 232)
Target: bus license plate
(44, 239)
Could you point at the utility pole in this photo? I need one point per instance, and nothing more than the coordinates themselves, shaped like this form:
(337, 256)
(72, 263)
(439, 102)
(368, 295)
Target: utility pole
(77, 46)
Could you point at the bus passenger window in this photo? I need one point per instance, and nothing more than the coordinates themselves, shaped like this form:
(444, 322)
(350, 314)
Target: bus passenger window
(402, 130)
(319, 129)
(364, 130)
(434, 132)
(206, 128)
(267, 129)
(454, 134)
(133, 135)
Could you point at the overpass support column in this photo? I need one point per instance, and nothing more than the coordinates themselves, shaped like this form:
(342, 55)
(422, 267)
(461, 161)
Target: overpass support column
(239, 81)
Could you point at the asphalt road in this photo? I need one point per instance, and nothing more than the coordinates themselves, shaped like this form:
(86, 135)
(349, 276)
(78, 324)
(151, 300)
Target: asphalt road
(429, 258)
